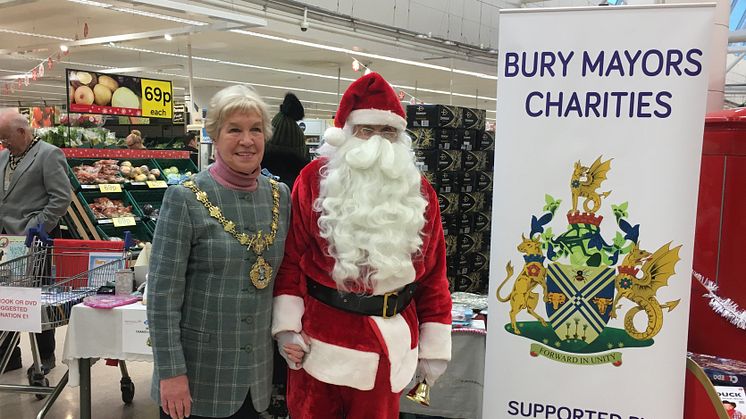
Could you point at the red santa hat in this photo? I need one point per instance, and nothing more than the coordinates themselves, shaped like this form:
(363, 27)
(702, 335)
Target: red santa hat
(370, 100)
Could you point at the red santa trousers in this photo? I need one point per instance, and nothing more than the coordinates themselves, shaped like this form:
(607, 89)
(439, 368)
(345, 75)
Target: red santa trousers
(309, 398)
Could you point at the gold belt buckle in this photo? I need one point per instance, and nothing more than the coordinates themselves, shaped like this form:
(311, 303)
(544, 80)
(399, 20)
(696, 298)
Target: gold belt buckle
(386, 304)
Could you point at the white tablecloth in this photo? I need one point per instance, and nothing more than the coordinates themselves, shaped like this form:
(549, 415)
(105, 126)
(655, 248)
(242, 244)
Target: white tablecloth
(96, 333)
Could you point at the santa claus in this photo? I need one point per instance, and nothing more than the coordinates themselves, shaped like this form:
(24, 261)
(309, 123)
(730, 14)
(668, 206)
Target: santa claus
(361, 299)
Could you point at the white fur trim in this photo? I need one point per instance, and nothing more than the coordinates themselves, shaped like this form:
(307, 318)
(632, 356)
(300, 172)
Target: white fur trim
(435, 341)
(334, 136)
(341, 366)
(287, 312)
(398, 338)
(376, 117)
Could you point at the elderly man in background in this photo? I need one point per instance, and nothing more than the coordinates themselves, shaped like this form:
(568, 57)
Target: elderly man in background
(34, 191)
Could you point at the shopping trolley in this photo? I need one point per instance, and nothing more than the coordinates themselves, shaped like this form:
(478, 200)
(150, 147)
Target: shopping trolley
(66, 271)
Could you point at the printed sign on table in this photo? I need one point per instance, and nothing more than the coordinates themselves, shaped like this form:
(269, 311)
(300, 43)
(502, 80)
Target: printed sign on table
(597, 155)
(135, 331)
(20, 309)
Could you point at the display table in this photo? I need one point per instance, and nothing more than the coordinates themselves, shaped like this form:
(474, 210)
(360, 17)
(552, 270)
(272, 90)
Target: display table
(458, 392)
(92, 334)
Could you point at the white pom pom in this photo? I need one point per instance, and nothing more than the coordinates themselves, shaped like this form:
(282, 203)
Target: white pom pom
(335, 136)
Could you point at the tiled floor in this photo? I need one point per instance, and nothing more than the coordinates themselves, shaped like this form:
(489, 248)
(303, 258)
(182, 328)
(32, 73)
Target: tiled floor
(107, 401)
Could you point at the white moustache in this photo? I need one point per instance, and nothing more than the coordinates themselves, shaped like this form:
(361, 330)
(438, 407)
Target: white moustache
(380, 151)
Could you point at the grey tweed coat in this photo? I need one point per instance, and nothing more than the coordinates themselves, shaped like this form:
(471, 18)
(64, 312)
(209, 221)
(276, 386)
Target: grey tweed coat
(206, 318)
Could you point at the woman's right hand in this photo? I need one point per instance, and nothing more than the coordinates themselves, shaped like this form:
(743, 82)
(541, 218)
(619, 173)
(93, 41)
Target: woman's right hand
(175, 398)
(293, 347)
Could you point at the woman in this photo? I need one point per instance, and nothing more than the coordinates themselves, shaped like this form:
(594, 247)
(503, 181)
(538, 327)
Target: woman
(217, 247)
(134, 140)
(287, 153)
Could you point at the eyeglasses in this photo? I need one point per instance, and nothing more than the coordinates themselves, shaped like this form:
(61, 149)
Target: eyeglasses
(365, 132)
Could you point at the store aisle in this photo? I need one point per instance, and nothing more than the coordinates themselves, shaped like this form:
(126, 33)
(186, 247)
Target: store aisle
(107, 401)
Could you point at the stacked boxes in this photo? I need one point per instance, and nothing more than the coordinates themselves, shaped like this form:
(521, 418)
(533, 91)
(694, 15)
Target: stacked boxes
(456, 155)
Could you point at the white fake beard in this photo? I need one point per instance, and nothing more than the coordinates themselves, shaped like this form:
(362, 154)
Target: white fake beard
(372, 212)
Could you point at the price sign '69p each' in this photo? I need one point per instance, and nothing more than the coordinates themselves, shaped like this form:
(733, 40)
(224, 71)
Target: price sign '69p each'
(157, 99)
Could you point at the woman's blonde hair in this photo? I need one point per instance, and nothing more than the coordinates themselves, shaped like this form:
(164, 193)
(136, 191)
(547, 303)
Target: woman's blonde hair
(238, 98)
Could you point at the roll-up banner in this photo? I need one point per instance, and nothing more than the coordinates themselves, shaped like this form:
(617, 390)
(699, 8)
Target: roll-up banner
(600, 115)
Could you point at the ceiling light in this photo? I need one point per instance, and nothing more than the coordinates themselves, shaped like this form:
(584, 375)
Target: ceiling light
(91, 3)
(421, 36)
(367, 71)
(38, 35)
(64, 48)
(159, 16)
(168, 37)
(111, 44)
(447, 42)
(193, 9)
(364, 54)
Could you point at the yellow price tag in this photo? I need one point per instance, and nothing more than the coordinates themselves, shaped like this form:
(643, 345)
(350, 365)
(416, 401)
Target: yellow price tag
(123, 221)
(157, 99)
(152, 184)
(110, 187)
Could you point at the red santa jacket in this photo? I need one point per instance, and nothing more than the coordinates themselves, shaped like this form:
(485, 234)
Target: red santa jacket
(346, 347)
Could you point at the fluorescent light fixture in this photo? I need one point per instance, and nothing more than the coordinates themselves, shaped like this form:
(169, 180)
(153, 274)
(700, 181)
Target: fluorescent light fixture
(159, 16)
(168, 37)
(181, 6)
(364, 54)
(37, 35)
(64, 48)
(91, 3)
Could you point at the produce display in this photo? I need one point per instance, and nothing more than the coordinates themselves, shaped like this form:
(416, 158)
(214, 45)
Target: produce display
(174, 177)
(78, 137)
(102, 171)
(110, 208)
(138, 174)
(150, 211)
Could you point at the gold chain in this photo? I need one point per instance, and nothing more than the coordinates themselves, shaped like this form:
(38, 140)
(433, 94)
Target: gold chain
(261, 271)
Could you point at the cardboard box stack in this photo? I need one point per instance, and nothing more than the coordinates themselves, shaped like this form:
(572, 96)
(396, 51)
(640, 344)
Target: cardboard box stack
(456, 155)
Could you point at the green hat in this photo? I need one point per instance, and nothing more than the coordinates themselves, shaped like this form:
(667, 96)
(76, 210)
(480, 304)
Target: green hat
(287, 135)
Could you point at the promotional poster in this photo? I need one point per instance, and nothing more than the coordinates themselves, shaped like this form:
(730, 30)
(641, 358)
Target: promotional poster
(600, 116)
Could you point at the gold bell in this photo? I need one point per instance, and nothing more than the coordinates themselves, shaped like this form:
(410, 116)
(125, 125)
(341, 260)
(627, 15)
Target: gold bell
(420, 393)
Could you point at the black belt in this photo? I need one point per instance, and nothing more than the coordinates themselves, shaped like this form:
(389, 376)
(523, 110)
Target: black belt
(386, 305)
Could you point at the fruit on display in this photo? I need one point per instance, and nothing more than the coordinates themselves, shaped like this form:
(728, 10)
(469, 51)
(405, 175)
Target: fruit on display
(104, 207)
(138, 243)
(102, 95)
(102, 171)
(125, 98)
(82, 78)
(138, 174)
(84, 95)
(108, 82)
(174, 177)
(150, 211)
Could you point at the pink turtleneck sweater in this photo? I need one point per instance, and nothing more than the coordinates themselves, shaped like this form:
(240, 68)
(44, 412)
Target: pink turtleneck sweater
(232, 179)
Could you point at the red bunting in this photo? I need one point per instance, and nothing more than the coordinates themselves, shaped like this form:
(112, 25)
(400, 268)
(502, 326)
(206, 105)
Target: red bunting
(85, 30)
(50, 63)
(34, 74)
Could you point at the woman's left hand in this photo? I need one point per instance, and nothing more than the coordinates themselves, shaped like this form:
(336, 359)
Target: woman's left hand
(293, 347)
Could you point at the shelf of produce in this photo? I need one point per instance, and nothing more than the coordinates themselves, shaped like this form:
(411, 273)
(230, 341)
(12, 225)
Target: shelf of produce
(90, 174)
(117, 217)
(140, 233)
(148, 203)
(184, 169)
(123, 154)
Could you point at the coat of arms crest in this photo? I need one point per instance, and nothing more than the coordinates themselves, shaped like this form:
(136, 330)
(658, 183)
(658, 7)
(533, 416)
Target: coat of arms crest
(583, 279)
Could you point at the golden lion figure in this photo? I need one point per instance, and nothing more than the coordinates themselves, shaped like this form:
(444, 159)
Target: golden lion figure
(586, 181)
(533, 274)
(657, 268)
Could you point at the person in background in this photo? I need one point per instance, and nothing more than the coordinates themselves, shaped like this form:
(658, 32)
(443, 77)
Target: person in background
(134, 140)
(191, 144)
(730, 408)
(217, 247)
(287, 153)
(362, 300)
(34, 191)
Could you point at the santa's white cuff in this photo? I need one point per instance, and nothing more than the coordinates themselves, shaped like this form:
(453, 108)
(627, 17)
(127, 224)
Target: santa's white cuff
(435, 341)
(287, 312)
